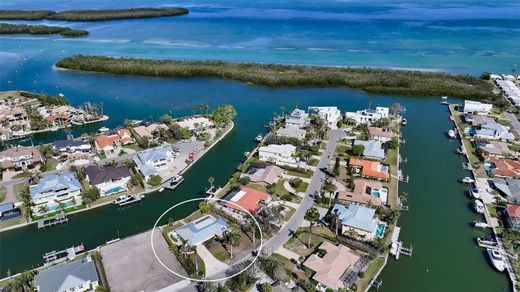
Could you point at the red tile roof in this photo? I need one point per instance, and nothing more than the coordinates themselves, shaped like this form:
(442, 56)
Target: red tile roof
(505, 167)
(380, 132)
(248, 199)
(105, 141)
(513, 210)
(369, 168)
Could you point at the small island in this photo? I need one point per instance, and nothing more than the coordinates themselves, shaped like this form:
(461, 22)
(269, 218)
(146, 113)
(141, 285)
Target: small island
(378, 81)
(7, 28)
(91, 15)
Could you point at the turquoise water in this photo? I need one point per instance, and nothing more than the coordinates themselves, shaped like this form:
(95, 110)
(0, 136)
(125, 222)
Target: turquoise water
(113, 191)
(380, 231)
(453, 36)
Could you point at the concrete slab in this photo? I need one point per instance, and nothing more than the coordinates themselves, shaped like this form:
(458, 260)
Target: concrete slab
(131, 266)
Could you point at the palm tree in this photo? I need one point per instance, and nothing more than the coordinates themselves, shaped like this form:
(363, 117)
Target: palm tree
(233, 237)
(312, 215)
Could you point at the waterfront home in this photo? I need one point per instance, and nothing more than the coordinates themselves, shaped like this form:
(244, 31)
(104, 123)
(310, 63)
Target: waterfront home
(368, 116)
(265, 176)
(279, 154)
(60, 115)
(125, 137)
(508, 187)
(495, 148)
(331, 267)
(9, 211)
(358, 220)
(109, 180)
(149, 130)
(365, 192)
(513, 216)
(196, 125)
(201, 230)
(149, 162)
(297, 118)
(476, 107)
(71, 146)
(246, 198)
(477, 120)
(382, 135)
(14, 121)
(369, 169)
(79, 275)
(330, 114)
(291, 132)
(373, 149)
(20, 158)
(503, 167)
(107, 143)
(51, 190)
(494, 131)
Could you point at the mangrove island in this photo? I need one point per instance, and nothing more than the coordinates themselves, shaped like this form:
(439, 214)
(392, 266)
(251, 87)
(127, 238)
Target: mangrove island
(7, 28)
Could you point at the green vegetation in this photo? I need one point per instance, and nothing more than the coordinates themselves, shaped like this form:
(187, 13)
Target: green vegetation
(378, 81)
(91, 15)
(6, 28)
(2, 194)
(370, 273)
(155, 180)
(45, 99)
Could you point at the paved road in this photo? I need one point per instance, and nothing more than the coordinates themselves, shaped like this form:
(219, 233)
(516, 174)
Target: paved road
(513, 120)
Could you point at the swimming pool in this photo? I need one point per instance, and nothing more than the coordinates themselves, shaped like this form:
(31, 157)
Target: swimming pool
(380, 193)
(114, 190)
(380, 230)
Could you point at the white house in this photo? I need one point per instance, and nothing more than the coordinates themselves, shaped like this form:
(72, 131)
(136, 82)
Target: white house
(297, 118)
(476, 107)
(150, 161)
(78, 276)
(291, 132)
(330, 114)
(373, 149)
(494, 131)
(109, 180)
(368, 116)
(279, 154)
(54, 189)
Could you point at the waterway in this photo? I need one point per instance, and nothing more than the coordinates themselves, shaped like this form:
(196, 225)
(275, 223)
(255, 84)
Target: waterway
(467, 41)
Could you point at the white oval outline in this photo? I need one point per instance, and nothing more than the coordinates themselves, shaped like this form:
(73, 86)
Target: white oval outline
(207, 280)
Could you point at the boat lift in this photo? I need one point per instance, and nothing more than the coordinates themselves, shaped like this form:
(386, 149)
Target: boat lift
(56, 220)
(402, 178)
(376, 284)
(397, 247)
(402, 160)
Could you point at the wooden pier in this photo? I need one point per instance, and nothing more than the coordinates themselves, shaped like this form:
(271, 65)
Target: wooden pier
(56, 220)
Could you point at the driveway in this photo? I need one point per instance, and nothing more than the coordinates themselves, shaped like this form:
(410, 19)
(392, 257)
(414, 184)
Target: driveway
(212, 265)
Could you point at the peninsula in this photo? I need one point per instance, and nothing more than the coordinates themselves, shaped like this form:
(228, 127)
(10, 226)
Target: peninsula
(378, 81)
(91, 15)
(7, 28)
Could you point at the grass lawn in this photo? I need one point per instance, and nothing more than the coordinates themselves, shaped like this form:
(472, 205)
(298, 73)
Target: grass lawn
(492, 210)
(11, 222)
(290, 266)
(257, 187)
(303, 187)
(306, 174)
(298, 243)
(371, 271)
(18, 189)
(279, 189)
(472, 154)
(219, 252)
(50, 164)
(289, 214)
(341, 149)
(22, 175)
(194, 216)
(391, 159)
(313, 162)
(2, 194)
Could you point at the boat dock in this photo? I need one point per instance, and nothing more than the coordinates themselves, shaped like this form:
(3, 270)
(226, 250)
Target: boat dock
(402, 177)
(173, 183)
(70, 253)
(56, 220)
(397, 248)
(130, 200)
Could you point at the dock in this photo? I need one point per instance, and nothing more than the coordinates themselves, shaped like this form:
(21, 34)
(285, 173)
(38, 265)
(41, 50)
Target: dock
(402, 177)
(397, 248)
(173, 183)
(70, 253)
(56, 220)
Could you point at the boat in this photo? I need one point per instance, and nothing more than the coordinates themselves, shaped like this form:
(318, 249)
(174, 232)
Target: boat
(467, 166)
(480, 224)
(404, 121)
(247, 153)
(61, 95)
(103, 129)
(134, 122)
(445, 103)
(127, 199)
(474, 193)
(467, 180)
(460, 150)
(479, 206)
(496, 259)
(176, 179)
(451, 133)
(444, 97)
(486, 242)
(161, 189)
(259, 138)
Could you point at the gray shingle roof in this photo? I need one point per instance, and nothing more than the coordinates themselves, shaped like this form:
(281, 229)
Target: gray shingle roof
(97, 175)
(356, 216)
(202, 229)
(55, 182)
(65, 276)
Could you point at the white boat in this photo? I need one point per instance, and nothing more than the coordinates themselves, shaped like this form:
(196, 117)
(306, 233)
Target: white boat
(467, 180)
(404, 121)
(161, 190)
(176, 179)
(451, 133)
(444, 97)
(467, 166)
(445, 103)
(480, 224)
(103, 129)
(127, 199)
(61, 95)
(474, 193)
(259, 138)
(479, 206)
(460, 150)
(135, 122)
(496, 259)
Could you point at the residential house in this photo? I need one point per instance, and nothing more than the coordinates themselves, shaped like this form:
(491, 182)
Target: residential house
(494, 131)
(476, 107)
(330, 268)
(148, 131)
(125, 137)
(330, 114)
(20, 158)
(369, 169)
(365, 192)
(203, 229)
(109, 180)
(107, 143)
(503, 167)
(291, 132)
(495, 148)
(297, 118)
(79, 275)
(382, 135)
(358, 219)
(508, 187)
(279, 154)
(266, 176)
(151, 161)
(54, 189)
(477, 120)
(368, 116)
(9, 211)
(246, 199)
(71, 146)
(373, 149)
(513, 216)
